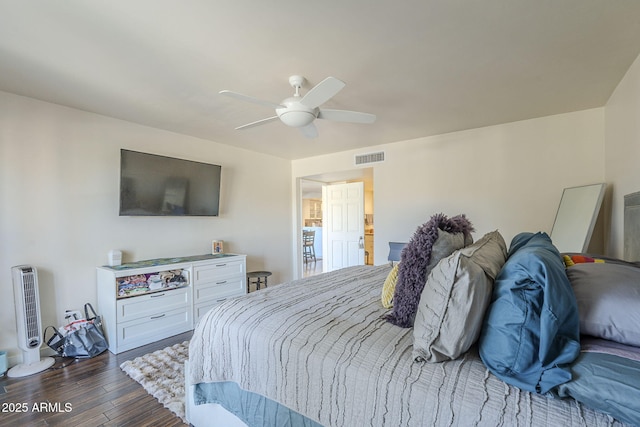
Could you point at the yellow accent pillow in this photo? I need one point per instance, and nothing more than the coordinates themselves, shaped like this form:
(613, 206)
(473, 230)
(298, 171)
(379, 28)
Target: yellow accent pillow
(389, 287)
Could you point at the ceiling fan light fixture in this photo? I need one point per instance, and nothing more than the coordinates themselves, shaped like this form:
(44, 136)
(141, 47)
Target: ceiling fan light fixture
(296, 119)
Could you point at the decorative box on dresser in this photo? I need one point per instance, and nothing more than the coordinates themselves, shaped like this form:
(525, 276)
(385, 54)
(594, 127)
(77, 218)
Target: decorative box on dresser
(149, 300)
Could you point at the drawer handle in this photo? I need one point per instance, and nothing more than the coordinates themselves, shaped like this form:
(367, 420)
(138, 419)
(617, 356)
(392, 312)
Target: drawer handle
(157, 295)
(158, 317)
(220, 300)
(221, 265)
(221, 283)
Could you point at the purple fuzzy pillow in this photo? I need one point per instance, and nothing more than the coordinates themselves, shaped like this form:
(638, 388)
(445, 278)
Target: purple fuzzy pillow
(436, 239)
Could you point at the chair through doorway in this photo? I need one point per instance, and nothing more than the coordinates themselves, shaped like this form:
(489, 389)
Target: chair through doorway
(308, 240)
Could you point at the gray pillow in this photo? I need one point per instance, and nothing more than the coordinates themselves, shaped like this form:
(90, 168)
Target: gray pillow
(455, 298)
(608, 296)
(445, 245)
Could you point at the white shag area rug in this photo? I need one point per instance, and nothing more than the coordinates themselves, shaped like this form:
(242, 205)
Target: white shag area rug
(161, 374)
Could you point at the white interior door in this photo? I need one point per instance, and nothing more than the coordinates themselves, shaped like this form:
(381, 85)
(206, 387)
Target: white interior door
(343, 225)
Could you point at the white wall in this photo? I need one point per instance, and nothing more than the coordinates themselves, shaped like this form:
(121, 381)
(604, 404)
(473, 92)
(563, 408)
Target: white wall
(508, 177)
(59, 181)
(622, 160)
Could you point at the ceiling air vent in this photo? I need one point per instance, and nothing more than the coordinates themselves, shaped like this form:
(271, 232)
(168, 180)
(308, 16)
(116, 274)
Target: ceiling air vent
(363, 159)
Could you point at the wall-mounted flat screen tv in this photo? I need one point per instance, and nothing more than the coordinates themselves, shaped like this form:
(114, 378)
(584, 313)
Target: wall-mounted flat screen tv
(153, 185)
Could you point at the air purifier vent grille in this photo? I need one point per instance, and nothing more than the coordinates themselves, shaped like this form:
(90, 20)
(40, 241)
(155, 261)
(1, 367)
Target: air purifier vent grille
(30, 308)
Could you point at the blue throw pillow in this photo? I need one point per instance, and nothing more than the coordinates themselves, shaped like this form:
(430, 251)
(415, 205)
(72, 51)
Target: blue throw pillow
(531, 330)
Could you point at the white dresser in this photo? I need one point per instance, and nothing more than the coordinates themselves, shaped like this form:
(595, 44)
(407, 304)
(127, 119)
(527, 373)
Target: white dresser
(149, 300)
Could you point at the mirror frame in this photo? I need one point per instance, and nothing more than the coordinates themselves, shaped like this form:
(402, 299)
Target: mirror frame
(576, 217)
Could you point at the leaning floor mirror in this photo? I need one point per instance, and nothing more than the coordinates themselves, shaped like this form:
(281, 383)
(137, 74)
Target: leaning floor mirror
(576, 217)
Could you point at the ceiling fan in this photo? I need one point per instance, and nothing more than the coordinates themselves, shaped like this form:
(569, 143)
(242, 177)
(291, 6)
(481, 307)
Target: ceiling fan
(300, 111)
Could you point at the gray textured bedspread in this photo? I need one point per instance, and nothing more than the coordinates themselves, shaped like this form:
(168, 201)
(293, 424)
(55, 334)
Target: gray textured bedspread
(321, 347)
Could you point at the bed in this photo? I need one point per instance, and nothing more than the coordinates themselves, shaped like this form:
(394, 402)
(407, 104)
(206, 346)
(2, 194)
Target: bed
(325, 351)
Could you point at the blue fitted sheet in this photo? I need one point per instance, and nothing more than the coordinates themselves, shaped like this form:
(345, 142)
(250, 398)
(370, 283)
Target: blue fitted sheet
(252, 408)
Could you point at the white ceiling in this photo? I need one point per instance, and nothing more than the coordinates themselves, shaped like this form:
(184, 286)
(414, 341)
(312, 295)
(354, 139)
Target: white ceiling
(424, 67)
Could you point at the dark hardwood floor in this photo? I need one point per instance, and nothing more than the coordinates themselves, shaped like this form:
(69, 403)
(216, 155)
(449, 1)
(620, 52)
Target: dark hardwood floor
(92, 392)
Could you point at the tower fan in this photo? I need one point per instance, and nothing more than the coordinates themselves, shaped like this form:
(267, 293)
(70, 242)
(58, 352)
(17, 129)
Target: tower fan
(25, 292)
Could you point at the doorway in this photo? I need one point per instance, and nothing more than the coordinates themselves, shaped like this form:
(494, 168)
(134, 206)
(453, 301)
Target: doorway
(312, 223)
(312, 215)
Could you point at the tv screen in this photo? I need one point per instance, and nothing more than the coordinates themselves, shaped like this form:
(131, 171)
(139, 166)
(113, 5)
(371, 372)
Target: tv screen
(153, 185)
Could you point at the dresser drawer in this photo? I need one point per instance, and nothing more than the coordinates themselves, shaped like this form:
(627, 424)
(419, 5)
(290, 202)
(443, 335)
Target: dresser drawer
(220, 288)
(146, 305)
(200, 310)
(148, 329)
(218, 270)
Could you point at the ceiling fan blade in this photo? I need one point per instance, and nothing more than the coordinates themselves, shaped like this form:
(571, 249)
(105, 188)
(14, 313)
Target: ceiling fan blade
(346, 116)
(247, 98)
(258, 123)
(322, 92)
(310, 131)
